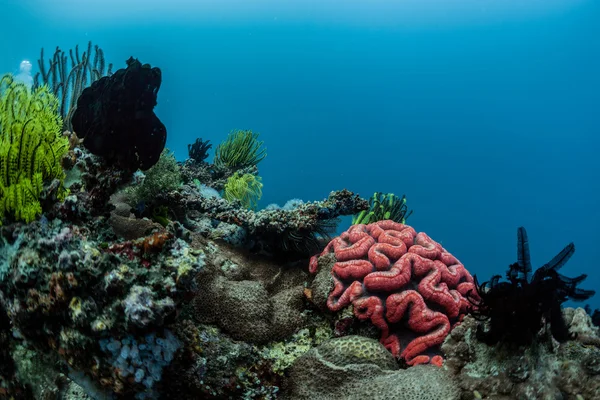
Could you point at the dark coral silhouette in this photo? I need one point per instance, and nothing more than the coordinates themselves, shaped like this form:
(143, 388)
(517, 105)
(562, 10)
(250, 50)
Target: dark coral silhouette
(594, 314)
(517, 309)
(199, 150)
(115, 117)
(596, 317)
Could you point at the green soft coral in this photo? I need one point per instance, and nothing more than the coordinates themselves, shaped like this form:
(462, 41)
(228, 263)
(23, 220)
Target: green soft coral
(31, 148)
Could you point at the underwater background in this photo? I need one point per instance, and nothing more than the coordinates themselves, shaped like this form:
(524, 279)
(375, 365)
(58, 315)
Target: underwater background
(484, 113)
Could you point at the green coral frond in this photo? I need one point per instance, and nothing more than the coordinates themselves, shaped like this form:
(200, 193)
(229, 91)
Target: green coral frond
(383, 206)
(247, 189)
(241, 149)
(31, 147)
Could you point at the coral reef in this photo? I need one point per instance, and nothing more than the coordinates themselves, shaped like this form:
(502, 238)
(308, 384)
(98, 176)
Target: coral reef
(542, 370)
(67, 294)
(113, 306)
(392, 275)
(92, 184)
(169, 284)
(213, 366)
(115, 117)
(164, 176)
(294, 233)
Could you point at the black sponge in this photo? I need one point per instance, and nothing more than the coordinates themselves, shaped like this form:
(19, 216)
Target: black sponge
(115, 117)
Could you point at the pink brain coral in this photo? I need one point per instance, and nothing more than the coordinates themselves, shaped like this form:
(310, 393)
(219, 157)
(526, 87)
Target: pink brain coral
(394, 276)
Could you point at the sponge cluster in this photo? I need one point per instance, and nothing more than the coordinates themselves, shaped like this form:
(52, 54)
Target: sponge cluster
(143, 358)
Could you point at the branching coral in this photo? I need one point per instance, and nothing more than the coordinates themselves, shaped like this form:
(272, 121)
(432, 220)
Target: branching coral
(269, 228)
(516, 310)
(383, 206)
(247, 189)
(241, 149)
(31, 148)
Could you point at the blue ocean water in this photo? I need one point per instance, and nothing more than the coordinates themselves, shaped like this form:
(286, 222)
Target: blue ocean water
(485, 113)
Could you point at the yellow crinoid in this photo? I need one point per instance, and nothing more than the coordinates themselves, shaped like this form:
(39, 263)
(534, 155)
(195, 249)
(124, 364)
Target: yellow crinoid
(246, 188)
(31, 148)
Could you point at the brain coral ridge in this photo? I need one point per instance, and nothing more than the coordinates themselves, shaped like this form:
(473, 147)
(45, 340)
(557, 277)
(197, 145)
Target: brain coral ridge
(392, 274)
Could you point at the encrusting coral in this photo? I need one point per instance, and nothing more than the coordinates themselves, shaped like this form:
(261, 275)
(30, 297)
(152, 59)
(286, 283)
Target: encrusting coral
(355, 367)
(31, 149)
(251, 300)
